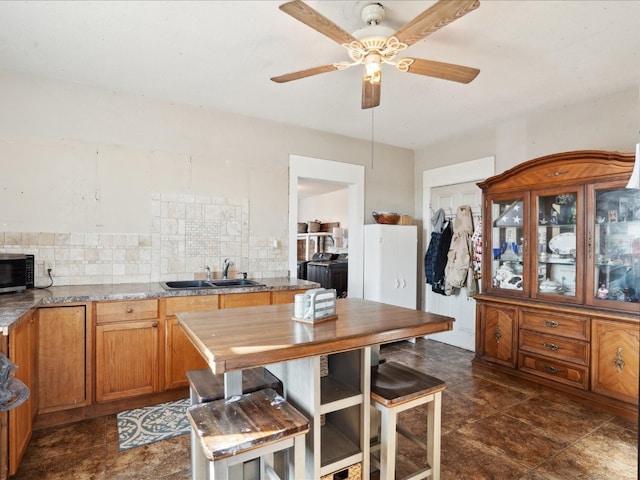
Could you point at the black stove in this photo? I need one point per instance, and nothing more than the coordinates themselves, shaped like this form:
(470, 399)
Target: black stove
(330, 270)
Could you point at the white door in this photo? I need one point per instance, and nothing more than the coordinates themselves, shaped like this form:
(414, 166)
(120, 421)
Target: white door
(458, 305)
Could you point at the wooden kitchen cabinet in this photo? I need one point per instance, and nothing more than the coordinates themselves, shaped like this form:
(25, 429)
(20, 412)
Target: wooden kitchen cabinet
(180, 354)
(616, 357)
(22, 352)
(64, 360)
(128, 360)
(561, 265)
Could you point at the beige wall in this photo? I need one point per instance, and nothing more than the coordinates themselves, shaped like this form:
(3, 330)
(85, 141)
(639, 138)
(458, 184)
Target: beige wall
(79, 160)
(607, 123)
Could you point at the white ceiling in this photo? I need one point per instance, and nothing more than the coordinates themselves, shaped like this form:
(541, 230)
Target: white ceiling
(221, 54)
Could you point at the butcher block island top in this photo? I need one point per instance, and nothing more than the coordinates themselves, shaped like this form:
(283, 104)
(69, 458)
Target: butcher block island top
(242, 338)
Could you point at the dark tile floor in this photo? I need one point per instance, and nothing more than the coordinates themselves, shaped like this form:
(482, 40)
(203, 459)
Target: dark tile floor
(493, 427)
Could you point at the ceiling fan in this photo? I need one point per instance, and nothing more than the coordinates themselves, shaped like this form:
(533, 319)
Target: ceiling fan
(376, 44)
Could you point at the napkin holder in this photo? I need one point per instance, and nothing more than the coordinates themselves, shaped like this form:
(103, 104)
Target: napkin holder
(319, 305)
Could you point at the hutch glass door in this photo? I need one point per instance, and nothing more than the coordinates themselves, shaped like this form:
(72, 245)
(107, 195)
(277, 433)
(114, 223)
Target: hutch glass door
(507, 237)
(558, 260)
(616, 248)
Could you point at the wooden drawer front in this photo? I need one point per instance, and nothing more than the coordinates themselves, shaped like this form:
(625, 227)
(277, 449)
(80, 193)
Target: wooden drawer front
(191, 304)
(284, 296)
(245, 299)
(555, 347)
(566, 373)
(107, 312)
(556, 324)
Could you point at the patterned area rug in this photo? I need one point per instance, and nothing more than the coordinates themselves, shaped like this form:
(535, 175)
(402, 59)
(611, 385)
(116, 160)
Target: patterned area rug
(146, 425)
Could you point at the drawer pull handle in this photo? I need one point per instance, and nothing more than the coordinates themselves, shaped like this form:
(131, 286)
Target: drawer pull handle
(619, 361)
(550, 369)
(129, 310)
(154, 324)
(551, 323)
(550, 346)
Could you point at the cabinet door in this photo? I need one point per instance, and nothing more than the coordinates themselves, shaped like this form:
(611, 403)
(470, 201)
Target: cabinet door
(391, 264)
(406, 266)
(615, 360)
(497, 334)
(63, 378)
(180, 354)
(127, 362)
(613, 247)
(22, 349)
(506, 231)
(557, 264)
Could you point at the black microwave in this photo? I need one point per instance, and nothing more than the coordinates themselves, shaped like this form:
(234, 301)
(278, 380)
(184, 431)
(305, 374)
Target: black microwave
(16, 272)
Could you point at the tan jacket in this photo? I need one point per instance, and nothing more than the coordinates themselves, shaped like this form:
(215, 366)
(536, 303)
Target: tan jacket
(459, 270)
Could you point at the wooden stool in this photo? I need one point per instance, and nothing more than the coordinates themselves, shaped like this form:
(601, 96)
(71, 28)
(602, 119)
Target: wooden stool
(205, 386)
(394, 389)
(253, 425)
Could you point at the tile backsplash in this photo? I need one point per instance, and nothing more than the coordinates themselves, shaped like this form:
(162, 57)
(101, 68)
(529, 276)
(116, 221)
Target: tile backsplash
(187, 233)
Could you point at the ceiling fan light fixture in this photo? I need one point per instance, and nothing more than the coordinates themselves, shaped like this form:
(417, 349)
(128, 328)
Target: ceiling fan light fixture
(376, 44)
(373, 68)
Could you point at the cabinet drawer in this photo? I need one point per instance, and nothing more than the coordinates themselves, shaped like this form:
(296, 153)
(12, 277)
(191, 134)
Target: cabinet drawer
(107, 312)
(555, 324)
(253, 299)
(284, 296)
(555, 347)
(569, 374)
(191, 304)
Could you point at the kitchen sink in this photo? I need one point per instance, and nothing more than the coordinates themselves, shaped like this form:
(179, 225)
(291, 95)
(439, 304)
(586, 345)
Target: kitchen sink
(221, 283)
(186, 284)
(239, 282)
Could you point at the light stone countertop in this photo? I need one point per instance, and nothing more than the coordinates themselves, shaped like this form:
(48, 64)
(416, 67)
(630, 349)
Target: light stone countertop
(14, 305)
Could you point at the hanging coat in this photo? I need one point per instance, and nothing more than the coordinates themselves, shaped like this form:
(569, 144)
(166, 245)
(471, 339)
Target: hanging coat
(459, 270)
(430, 257)
(441, 260)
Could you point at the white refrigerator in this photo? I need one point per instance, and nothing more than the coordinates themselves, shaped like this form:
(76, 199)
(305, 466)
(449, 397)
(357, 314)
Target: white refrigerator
(391, 264)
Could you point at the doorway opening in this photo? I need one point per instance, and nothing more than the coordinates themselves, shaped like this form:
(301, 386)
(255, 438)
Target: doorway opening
(309, 170)
(449, 187)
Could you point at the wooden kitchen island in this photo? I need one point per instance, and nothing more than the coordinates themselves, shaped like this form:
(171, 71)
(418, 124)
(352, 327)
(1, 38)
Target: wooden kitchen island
(325, 367)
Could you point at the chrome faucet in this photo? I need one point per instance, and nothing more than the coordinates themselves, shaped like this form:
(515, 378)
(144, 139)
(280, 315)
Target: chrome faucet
(225, 267)
(208, 270)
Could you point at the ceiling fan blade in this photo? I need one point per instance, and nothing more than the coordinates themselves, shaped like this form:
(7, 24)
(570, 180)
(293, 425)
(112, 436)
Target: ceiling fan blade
(287, 77)
(314, 19)
(445, 71)
(370, 94)
(434, 18)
